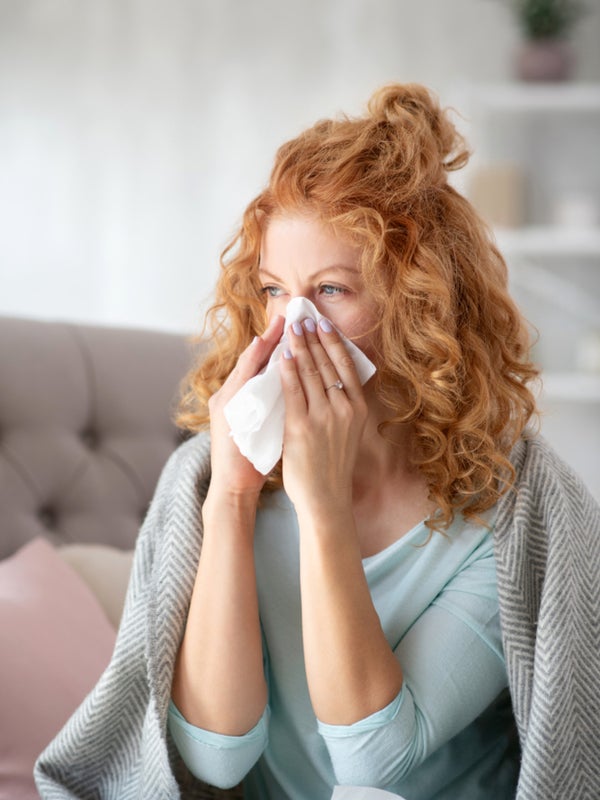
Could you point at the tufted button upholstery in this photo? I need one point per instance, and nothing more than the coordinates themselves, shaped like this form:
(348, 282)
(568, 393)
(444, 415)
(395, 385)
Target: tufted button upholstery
(90, 439)
(48, 517)
(85, 429)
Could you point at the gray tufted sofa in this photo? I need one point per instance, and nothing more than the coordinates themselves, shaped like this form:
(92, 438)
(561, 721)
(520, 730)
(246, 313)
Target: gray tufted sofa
(85, 429)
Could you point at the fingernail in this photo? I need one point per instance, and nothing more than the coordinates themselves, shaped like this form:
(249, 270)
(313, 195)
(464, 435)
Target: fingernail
(297, 328)
(325, 325)
(287, 354)
(309, 325)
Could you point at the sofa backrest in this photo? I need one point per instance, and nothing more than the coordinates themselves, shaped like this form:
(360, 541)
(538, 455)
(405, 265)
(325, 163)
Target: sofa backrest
(85, 429)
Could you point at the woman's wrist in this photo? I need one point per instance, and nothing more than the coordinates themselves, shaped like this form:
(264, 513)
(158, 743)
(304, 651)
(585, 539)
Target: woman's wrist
(221, 503)
(322, 504)
(327, 521)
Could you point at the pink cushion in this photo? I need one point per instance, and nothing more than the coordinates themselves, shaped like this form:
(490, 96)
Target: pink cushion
(55, 642)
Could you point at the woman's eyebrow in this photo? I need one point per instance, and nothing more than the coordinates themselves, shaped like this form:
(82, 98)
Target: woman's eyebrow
(329, 268)
(263, 271)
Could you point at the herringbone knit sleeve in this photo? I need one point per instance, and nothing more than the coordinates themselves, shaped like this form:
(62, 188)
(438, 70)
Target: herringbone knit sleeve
(547, 545)
(115, 746)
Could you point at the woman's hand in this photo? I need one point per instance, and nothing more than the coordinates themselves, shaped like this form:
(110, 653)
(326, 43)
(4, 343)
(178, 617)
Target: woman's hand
(231, 471)
(222, 644)
(350, 668)
(323, 423)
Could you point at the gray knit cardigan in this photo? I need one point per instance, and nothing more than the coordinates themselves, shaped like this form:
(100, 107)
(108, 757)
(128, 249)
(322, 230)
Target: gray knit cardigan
(547, 543)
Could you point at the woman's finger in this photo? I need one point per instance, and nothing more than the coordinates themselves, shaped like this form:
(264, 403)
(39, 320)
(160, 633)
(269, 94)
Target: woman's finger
(333, 360)
(256, 355)
(308, 369)
(293, 391)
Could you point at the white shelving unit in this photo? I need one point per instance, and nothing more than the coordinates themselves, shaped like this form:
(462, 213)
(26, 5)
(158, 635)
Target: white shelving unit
(533, 98)
(549, 134)
(572, 386)
(549, 241)
(532, 249)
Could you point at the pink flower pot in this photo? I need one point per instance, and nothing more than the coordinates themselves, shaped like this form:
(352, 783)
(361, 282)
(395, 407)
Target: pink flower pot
(545, 60)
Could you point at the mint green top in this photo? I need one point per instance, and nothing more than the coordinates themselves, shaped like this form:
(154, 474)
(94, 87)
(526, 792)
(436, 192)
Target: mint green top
(448, 733)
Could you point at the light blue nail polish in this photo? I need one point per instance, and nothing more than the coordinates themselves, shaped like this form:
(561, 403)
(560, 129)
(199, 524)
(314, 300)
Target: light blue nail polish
(325, 325)
(297, 328)
(287, 354)
(310, 325)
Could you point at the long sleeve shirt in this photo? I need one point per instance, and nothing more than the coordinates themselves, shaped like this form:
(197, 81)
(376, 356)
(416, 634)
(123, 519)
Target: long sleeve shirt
(447, 734)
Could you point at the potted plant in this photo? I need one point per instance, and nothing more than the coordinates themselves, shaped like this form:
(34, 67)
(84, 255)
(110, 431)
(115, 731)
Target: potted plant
(546, 53)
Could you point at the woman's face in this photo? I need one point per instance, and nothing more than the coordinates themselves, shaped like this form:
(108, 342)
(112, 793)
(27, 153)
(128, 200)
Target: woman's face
(302, 257)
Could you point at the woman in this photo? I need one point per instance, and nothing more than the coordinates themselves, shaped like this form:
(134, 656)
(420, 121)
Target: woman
(354, 617)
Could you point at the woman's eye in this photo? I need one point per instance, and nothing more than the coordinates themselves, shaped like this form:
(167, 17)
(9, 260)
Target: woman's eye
(272, 291)
(329, 290)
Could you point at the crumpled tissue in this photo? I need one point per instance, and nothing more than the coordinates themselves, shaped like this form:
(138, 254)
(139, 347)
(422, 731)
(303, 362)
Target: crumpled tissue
(255, 414)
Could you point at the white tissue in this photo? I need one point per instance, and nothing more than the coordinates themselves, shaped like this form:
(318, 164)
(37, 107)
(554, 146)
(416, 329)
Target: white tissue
(256, 412)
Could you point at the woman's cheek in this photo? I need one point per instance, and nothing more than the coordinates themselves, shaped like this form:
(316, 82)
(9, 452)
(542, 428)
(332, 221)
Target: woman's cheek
(362, 333)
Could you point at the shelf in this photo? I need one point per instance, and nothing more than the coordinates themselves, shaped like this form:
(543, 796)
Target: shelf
(572, 387)
(552, 241)
(542, 258)
(524, 97)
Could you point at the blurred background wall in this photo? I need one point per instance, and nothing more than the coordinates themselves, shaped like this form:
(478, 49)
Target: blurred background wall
(134, 132)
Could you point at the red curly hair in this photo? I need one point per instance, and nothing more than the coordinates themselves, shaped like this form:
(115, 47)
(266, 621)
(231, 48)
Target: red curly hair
(453, 347)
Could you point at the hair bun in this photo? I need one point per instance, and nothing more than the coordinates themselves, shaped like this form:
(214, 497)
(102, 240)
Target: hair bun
(422, 127)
